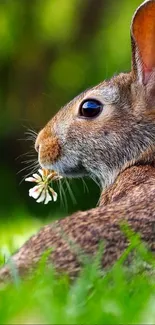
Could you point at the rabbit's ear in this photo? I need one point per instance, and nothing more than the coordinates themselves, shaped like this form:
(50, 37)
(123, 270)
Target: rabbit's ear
(143, 42)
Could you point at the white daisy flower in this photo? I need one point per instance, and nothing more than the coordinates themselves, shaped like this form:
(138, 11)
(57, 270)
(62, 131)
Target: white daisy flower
(42, 191)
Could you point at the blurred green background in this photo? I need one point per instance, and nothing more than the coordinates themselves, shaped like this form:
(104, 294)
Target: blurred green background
(50, 50)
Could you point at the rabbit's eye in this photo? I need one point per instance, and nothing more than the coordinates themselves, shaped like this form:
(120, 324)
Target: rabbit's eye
(90, 108)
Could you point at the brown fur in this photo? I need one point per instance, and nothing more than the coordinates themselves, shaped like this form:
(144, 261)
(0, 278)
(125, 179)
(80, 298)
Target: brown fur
(131, 199)
(51, 145)
(118, 148)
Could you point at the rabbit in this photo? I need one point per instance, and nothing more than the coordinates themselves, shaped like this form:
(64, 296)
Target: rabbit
(107, 133)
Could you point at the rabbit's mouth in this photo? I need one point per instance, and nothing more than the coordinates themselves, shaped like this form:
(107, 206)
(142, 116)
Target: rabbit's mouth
(66, 168)
(52, 156)
(76, 171)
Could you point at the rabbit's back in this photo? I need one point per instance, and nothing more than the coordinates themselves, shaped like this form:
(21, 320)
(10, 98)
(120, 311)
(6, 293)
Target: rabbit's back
(81, 234)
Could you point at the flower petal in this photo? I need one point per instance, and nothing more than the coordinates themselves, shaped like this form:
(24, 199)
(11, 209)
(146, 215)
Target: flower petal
(30, 179)
(43, 192)
(41, 171)
(48, 198)
(53, 176)
(35, 191)
(42, 197)
(38, 177)
(54, 194)
(56, 177)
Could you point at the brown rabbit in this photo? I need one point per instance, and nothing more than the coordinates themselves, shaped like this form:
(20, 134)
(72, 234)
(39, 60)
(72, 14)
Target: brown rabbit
(108, 133)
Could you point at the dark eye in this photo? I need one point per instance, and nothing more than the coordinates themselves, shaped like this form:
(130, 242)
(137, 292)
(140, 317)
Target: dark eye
(90, 108)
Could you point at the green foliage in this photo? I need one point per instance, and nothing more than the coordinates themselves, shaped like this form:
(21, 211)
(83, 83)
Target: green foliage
(50, 51)
(121, 295)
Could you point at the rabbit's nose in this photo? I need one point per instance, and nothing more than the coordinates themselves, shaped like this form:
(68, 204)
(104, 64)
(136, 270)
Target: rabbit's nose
(38, 141)
(47, 146)
(37, 145)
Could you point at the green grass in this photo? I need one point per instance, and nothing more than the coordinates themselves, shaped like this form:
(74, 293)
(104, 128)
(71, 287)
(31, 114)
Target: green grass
(121, 295)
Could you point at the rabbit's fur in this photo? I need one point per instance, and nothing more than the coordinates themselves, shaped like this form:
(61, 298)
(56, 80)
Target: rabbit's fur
(116, 147)
(102, 147)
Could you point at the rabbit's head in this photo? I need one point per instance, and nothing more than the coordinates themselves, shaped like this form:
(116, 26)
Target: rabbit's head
(112, 125)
